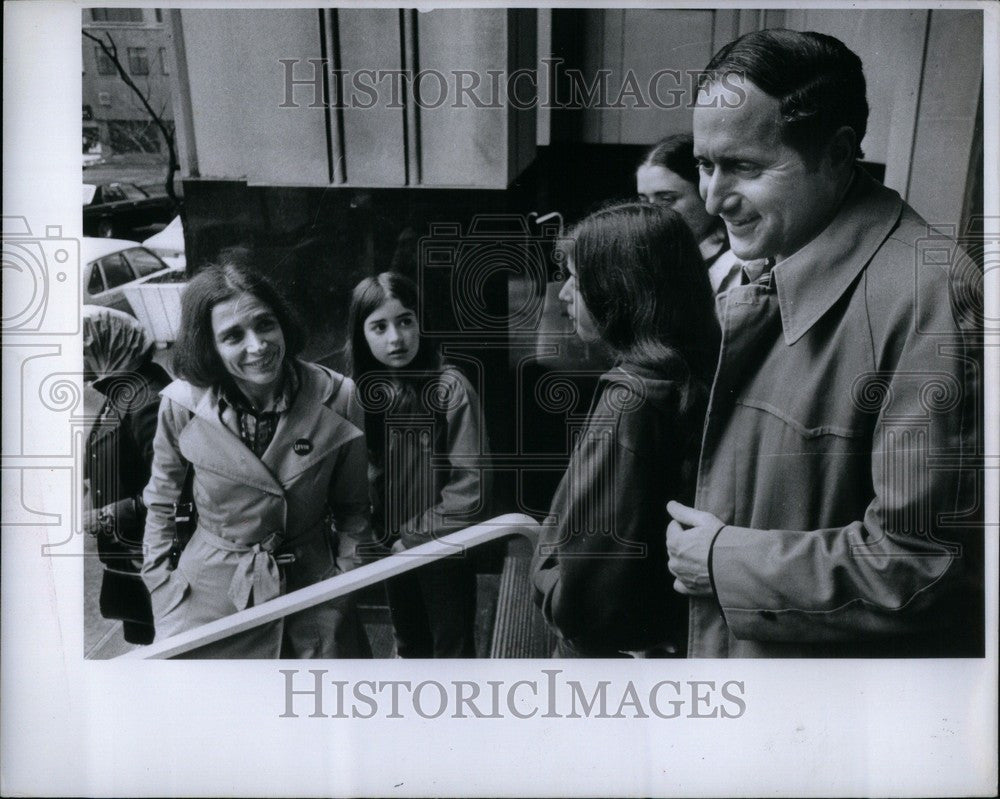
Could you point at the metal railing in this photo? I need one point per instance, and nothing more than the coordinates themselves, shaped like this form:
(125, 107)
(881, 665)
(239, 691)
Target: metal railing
(341, 585)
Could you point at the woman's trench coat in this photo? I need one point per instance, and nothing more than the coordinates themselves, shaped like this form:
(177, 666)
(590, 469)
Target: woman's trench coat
(254, 513)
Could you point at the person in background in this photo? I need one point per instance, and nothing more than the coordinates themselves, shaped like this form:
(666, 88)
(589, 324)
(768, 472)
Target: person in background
(825, 523)
(668, 174)
(424, 423)
(118, 358)
(272, 447)
(635, 280)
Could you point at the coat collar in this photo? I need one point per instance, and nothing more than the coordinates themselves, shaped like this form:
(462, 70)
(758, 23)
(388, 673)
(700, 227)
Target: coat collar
(208, 443)
(811, 280)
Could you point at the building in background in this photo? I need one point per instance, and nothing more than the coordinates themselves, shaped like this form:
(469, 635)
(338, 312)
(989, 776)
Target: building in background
(113, 116)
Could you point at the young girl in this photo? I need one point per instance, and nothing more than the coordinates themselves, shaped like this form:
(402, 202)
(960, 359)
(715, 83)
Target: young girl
(425, 433)
(637, 281)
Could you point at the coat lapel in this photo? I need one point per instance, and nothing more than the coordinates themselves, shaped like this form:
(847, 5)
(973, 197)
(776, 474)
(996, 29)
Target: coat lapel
(208, 444)
(310, 431)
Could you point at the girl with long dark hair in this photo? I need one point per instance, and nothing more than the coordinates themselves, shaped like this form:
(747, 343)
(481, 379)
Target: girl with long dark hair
(635, 280)
(427, 446)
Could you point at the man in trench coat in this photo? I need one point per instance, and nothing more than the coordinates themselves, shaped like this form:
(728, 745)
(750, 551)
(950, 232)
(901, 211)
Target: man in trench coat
(836, 511)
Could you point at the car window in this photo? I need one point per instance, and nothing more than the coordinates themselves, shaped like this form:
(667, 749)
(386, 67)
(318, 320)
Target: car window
(116, 270)
(112, 194)
(132, 192)
(144, 262)
(91, 193)
(96, 283)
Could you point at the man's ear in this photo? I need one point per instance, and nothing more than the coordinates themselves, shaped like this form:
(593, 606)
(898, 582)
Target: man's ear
(841, 149)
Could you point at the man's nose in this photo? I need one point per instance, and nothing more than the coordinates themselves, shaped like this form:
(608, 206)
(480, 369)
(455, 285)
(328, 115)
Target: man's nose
(717, 191)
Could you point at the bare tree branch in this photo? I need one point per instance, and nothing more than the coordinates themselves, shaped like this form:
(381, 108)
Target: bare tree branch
(110, 49)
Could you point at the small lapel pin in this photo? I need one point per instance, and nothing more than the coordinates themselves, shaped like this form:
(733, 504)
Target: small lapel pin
(302, 446)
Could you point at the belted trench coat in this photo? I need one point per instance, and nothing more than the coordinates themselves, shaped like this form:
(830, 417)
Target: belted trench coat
(252, 509)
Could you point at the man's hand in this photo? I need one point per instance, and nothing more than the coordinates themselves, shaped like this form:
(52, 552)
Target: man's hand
(689, 539)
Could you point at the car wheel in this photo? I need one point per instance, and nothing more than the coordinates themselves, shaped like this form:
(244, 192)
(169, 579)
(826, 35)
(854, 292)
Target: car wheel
(105, 229)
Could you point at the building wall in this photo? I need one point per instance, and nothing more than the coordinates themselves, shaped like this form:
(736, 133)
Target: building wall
(260, 79)
(107, 97)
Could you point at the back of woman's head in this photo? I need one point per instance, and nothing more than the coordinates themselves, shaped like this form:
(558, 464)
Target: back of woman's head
(113, 342)
(367, 297)
(196, 358)
(644, 282)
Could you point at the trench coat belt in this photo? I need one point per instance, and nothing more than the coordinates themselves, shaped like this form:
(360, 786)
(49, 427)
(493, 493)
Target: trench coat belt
(257, 569)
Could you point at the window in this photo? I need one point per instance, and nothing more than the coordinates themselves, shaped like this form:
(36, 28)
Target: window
(132, 192)
(164, 66)
(144, 262)
(159, 14)
(138, 63)
(105, 66)
(96, 283)
(112, 194)
(116, 14)
(116, 271)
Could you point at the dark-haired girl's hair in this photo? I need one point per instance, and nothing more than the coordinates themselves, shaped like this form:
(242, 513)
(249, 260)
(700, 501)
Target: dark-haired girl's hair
(366, 298)
(643, 279)
(675, 153)
(380, 387)
(195, 357)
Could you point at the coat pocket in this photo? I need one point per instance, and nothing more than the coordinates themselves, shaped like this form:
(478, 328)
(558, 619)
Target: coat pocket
(806, 429)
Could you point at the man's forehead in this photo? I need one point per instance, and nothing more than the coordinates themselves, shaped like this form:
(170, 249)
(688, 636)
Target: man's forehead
(728, 117)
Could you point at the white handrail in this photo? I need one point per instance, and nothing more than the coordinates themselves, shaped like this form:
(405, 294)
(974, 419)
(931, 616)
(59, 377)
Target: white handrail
(341, 585)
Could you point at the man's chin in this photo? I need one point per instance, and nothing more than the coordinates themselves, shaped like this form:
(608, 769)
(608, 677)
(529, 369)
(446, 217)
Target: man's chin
(746, 249)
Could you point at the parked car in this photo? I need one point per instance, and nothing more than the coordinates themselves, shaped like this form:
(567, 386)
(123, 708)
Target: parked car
(116, 210)
(169, 244)
(109, 265)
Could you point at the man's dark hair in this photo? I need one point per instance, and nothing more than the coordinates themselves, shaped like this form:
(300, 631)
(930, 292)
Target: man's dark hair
(196, 357)
(816, 78)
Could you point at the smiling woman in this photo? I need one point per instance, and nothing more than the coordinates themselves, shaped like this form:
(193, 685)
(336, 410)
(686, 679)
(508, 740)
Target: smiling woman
(251, 346)
(271, 447)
